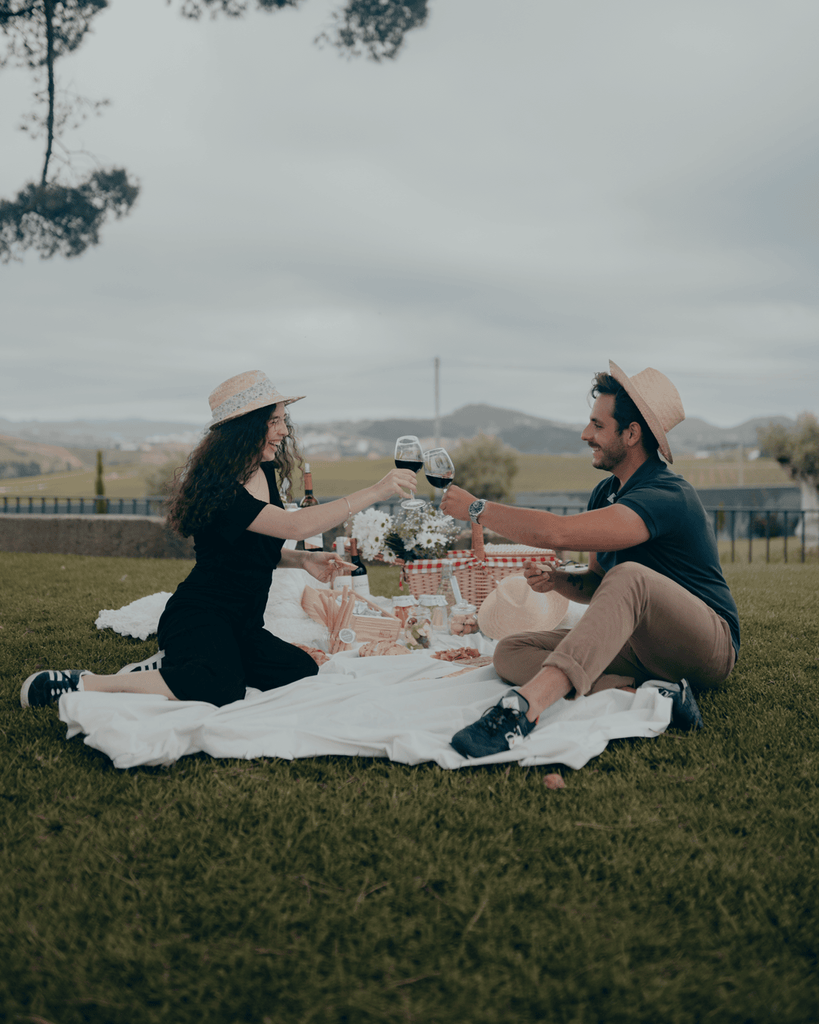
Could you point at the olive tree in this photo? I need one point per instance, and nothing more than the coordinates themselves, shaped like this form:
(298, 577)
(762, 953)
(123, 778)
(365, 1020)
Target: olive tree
(797, 451)
(485, 466)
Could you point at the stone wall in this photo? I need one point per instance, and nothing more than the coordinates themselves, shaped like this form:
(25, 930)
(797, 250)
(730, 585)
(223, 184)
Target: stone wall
(124, 536)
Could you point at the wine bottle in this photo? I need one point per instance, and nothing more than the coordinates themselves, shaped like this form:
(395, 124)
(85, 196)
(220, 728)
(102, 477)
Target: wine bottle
(448, 587)
(358, 577)
(315, 543)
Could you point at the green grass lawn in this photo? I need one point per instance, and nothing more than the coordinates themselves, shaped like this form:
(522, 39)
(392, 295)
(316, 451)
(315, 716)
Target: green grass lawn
(672, 881)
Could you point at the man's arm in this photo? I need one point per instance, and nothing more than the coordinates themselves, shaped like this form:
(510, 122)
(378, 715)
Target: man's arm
(602, 529)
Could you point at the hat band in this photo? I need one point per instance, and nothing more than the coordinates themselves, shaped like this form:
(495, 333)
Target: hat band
(263, 389)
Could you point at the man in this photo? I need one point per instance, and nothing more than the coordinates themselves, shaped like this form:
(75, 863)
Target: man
(660, 611)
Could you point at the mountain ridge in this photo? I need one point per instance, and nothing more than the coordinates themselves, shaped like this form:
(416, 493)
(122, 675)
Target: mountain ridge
(524, 432)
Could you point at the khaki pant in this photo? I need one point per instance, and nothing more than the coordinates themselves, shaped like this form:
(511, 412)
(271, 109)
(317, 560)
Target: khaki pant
(639, 625)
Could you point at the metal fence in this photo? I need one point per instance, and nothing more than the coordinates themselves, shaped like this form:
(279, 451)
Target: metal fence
(740, 529)
(150, 506)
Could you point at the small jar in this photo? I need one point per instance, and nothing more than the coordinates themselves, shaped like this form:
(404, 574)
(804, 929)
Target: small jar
(432, 607)
(402, 608)
(463, 619)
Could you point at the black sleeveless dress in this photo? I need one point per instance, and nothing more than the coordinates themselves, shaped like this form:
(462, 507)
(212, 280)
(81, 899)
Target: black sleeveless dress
(212, 629)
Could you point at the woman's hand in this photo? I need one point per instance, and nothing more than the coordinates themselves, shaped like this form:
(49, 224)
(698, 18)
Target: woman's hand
(398, 481)
(326, 565)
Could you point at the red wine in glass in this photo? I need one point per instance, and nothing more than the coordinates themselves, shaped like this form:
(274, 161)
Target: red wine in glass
(409, 455)
(439, 468)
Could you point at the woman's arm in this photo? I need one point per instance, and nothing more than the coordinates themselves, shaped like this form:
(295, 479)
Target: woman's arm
(306, 522)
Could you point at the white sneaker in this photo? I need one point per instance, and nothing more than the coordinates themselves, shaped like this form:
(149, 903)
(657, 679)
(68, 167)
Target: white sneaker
(154, 662)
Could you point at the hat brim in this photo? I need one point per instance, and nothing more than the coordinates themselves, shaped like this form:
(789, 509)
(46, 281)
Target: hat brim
(541, 613)
(646, 410)
(259, 403)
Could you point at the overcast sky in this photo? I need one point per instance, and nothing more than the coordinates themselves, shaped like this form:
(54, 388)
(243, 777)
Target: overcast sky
(530, 189)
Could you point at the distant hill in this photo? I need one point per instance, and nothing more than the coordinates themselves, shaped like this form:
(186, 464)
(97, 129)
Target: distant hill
(696, 435)
(19, 457)
(527, 434)
(101, 433)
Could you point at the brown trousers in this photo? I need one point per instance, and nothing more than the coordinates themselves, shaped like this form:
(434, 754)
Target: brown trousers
(639, 625)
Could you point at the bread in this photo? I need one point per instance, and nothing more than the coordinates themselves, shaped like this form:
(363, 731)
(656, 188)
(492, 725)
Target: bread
(380, 648)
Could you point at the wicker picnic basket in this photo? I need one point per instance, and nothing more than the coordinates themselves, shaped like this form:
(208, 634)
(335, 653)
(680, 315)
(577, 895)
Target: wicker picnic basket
(478, 569)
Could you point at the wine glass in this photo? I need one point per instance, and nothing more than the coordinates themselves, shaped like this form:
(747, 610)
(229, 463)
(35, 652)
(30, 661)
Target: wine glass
(439, 468)
(409, 455)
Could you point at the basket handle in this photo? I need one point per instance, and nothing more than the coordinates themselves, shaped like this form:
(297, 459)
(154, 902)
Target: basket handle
(478, 550)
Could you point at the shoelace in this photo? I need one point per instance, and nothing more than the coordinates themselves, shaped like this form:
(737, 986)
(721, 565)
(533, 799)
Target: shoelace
(495, 716)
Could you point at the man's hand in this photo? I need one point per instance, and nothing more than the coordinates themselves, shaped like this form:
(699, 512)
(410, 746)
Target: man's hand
(578, 587)
(541, 578)
(456, 502)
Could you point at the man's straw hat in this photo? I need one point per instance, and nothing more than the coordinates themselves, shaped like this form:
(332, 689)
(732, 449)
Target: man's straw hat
(244, 393)
(513, 607)
(656, 398)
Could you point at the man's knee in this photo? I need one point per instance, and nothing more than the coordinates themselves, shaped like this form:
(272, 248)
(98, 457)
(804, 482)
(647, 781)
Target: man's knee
(518, 657)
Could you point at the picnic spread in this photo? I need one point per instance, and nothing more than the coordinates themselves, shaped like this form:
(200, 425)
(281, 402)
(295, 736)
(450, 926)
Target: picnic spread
(403, 708)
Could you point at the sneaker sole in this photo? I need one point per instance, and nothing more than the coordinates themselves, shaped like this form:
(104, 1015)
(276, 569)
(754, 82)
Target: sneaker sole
(25, 688)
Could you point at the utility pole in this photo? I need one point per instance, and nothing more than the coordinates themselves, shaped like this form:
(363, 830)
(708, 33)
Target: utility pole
(437, 404)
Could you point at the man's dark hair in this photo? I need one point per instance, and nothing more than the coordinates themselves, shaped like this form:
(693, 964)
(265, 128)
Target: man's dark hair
(625, 411)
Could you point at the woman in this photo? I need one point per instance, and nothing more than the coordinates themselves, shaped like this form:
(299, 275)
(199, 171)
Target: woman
(212, 629)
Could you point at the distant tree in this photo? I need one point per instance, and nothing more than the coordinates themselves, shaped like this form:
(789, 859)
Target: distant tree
(62, 212)
(159, 482)
(797, 451)
(486, 467)
(99, 486)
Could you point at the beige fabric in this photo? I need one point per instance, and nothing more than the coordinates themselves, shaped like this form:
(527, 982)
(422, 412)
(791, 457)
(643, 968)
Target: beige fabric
(639, 625)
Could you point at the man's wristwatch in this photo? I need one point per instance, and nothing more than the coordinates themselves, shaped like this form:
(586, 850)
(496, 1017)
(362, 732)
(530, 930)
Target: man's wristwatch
(476, 508)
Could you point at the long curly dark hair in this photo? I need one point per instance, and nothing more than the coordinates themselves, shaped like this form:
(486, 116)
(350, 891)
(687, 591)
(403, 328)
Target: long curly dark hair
(230, 452)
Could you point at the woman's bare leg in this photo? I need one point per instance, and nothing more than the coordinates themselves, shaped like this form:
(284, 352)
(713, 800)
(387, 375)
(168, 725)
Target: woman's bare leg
(131, 682)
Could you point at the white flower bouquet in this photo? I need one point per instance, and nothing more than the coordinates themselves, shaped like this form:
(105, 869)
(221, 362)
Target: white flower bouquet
(371, 529)
(412, 534)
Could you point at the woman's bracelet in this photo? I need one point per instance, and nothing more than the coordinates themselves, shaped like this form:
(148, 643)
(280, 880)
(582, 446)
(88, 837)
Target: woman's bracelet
(349, 509)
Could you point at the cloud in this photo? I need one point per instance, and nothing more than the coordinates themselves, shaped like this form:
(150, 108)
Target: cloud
(522, 195)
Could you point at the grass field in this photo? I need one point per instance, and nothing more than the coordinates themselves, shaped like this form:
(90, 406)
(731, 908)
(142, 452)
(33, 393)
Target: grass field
(535, 473)
(672, 881)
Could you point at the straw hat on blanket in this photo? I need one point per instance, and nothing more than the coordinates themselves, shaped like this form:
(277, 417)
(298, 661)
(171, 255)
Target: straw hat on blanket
(244, 393)
(656, 398)
(513, 607)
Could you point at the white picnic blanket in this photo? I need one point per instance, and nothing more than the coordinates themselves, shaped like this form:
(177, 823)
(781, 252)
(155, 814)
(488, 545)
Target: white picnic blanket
(402, 708)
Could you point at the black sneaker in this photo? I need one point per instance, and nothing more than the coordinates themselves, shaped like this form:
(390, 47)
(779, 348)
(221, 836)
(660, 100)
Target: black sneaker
(155, 661)
(684, 711)
(42, 688)
(499, 728)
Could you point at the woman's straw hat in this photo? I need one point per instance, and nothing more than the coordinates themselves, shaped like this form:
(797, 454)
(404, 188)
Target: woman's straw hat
(513, 607)
(656, 398)
(244, 393)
